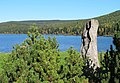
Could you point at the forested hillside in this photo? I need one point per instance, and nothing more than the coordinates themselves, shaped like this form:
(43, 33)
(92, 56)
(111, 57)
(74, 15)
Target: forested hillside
(109, 24)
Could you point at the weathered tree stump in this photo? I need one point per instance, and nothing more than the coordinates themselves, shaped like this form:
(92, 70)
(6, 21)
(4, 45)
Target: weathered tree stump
(89, 42)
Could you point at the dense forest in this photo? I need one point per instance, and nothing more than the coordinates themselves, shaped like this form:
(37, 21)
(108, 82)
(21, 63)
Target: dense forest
(109, 25)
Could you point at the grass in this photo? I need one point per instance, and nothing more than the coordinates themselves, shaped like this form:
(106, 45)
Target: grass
(3, 57)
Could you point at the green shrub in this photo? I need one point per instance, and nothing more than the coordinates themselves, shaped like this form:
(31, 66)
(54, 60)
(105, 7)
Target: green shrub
(39, 60)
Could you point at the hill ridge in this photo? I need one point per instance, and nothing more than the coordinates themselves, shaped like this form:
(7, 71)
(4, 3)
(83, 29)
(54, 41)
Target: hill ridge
(66, 27)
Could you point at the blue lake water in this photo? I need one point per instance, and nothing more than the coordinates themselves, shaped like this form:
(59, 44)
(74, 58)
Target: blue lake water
(7, 41)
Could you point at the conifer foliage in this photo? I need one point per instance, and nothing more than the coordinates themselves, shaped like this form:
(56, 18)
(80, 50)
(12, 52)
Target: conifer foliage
(39, 60)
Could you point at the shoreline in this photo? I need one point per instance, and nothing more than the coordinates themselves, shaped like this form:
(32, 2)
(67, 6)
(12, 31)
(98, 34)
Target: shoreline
(54, 34)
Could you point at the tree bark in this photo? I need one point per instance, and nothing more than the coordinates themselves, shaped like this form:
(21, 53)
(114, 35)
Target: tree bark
(89, 42)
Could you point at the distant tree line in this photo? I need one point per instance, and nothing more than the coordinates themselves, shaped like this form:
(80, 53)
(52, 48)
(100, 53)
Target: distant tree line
(109, 25)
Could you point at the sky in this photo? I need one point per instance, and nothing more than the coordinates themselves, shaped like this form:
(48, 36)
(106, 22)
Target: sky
(18, 10)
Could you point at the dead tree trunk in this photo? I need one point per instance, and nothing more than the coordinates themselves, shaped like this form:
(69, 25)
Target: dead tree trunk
(89, 42)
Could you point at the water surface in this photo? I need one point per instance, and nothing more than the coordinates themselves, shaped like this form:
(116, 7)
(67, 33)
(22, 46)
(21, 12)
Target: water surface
(7, 41)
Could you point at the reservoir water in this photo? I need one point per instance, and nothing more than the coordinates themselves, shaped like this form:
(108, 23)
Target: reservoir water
(7, 41)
